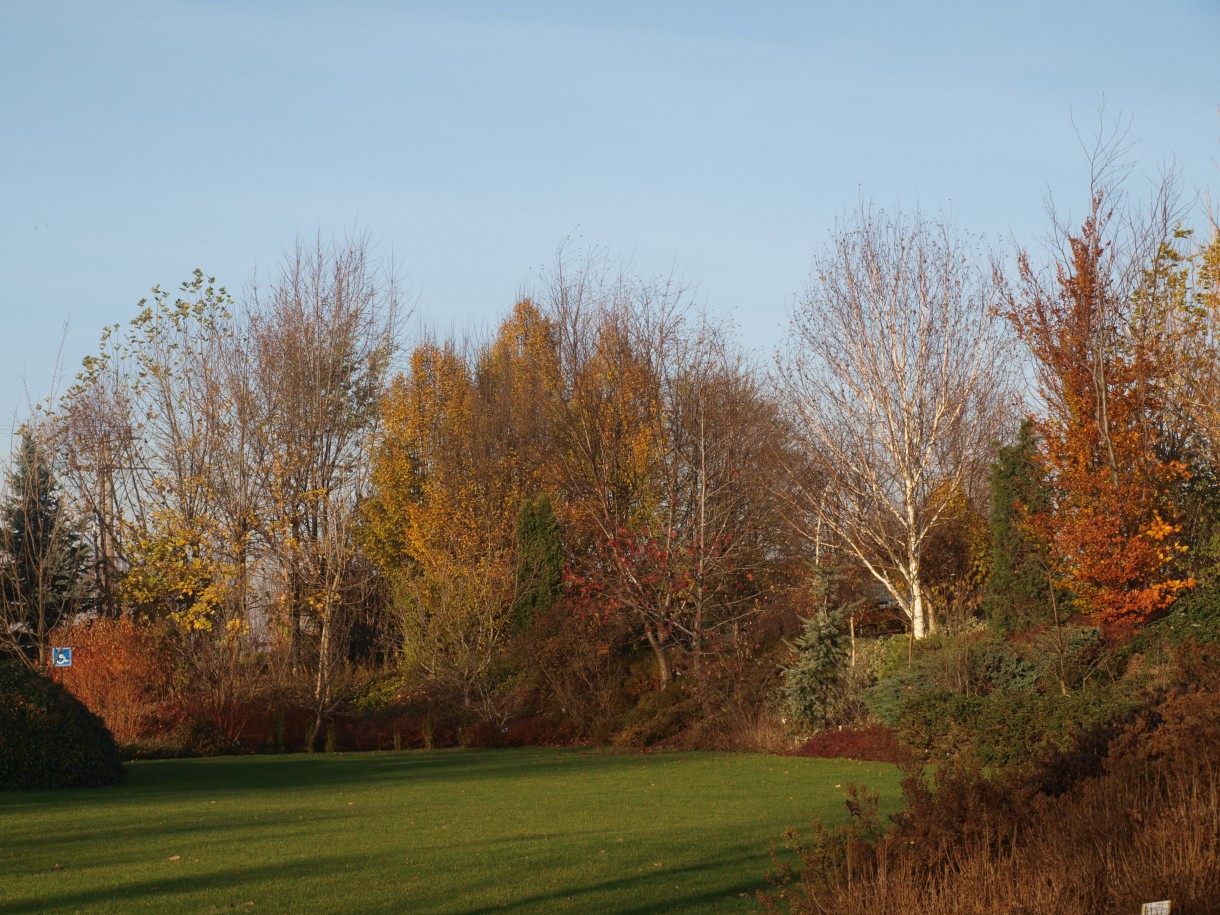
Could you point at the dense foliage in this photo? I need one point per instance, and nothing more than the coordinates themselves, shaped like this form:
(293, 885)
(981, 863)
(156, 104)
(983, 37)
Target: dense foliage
(1019, 587)
(48, 738)
(276, 524)
(813, 681)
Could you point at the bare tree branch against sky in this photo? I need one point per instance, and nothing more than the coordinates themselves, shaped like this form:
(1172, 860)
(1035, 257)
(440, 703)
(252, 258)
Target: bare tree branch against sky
(142, 139)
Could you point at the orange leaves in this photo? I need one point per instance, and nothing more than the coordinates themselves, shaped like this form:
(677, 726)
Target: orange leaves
(1106, 375)
(612, 437)
(1118, 577)
(121, 669)
(432, 494)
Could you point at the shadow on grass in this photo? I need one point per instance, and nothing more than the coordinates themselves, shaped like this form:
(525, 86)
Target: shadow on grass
(303, 771)
(72, 844)
(656, 885)
(303, 808)
(227, 887)
(293, 772)
(278, 886)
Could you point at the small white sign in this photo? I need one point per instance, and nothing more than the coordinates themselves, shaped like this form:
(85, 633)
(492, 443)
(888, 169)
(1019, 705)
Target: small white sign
(61, 657)
(1156, 908)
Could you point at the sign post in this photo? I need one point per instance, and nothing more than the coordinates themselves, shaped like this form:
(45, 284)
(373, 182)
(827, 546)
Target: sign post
(61, 657)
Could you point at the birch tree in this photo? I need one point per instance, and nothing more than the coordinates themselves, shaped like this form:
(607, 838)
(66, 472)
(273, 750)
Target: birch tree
(897, 375)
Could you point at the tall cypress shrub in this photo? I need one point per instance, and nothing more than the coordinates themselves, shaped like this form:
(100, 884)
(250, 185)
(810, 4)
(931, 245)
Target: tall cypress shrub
(1019, 590)
(539, 559)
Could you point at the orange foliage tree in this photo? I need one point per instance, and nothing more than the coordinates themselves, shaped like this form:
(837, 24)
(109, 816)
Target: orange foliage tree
(1103, 338)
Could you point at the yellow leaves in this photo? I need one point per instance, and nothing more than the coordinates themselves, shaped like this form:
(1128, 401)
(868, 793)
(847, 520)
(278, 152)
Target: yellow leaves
(198, 617)
(1160, 532)
(178, 569)
(465, 436)
(319, 601)
(444, 477)
(1159, 529)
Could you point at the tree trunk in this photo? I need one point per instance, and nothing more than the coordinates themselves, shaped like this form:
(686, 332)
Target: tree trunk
(665, 670)
(322, 684)
(705, 699)
(919, 627)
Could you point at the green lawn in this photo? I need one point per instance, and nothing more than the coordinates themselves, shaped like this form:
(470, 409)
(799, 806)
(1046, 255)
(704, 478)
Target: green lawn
(447, 831)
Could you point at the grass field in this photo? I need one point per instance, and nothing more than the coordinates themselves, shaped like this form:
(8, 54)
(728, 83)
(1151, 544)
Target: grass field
(446, 831)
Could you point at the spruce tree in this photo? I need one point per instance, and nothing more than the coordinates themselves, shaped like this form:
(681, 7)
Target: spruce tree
(813, 683)
(41, 555)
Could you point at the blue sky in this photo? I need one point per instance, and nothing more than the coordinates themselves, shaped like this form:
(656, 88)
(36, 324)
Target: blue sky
(139, 140)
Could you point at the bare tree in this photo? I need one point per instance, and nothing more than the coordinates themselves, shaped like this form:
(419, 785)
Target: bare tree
(100, 437)
(322, 349)
(221, 453)
(896, 373)
(1203, 365)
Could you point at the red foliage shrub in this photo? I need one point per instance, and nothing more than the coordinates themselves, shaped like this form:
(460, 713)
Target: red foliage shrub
(539, 731)
(121, 669)
(484, 735)
(381, 732)
(258, 730)
(875, 743)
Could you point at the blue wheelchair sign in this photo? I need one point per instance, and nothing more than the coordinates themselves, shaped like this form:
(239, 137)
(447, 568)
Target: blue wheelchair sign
(61, 657)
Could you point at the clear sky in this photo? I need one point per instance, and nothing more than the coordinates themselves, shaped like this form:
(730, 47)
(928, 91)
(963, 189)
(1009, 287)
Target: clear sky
(139, 140)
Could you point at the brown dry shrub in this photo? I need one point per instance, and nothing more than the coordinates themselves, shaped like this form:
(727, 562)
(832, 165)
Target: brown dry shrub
(535, 731)
(1146, 828)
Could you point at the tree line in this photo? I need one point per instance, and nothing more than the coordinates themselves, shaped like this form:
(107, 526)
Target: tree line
(609, 487)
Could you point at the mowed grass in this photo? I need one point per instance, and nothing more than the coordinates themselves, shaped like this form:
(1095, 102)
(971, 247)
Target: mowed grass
(446, 831)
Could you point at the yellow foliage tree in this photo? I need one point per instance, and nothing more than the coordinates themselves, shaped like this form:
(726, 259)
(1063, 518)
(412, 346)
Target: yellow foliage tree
(462, 445)
(175, 571)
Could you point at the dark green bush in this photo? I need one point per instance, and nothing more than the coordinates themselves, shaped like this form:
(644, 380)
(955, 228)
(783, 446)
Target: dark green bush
(885, 699)
(967, 663)
(996, 667)
(1193, 617)
(48, 739)
(980, 697)
(937, 721)
(1002, 728)
(1017, 727)
(1066, 656)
